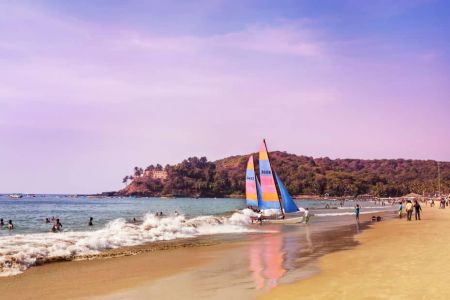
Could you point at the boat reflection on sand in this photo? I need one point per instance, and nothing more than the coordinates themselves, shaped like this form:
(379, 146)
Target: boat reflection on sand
(273, 256)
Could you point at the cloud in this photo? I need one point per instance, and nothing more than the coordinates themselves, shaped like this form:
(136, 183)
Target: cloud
(114, 97)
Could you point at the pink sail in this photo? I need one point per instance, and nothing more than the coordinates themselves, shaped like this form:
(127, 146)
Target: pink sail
(269, 192)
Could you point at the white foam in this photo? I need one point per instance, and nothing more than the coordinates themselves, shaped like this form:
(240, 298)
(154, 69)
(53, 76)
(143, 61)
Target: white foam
(368, 207)
(21, 251)
(347, 213)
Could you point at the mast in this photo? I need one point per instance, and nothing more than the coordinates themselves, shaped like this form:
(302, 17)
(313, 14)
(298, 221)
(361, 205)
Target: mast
(276, 185)
(439, 179)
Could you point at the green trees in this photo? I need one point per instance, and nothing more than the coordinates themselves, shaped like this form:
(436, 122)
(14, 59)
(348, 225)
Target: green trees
(301, 175)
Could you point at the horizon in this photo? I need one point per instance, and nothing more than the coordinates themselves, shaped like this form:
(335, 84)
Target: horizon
(215, 160)
(90, 90)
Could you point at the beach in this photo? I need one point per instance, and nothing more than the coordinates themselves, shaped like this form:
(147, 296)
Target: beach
(207, 267)
(395, 260)
(333, 259)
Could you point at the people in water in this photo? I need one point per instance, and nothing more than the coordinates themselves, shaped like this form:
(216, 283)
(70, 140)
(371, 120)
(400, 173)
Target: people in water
(417, 209)
(357, 211)
(91, 220)
(2, 223)
(47, 220)
(57, 226)
(10, 225)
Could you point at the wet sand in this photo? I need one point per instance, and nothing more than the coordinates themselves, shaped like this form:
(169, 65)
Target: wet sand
(215, 267)
(113, 270)
(395, 260)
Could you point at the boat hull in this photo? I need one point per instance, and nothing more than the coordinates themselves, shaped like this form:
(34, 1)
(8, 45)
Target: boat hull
(294, 220)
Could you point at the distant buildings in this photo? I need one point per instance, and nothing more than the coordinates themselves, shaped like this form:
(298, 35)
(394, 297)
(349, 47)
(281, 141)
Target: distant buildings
(155, 174)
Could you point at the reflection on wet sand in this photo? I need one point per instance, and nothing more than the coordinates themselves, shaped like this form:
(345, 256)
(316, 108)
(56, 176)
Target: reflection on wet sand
(272, 256)
(282, 257)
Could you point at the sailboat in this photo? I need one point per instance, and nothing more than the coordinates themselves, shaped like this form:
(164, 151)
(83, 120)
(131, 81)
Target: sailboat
(265, 196)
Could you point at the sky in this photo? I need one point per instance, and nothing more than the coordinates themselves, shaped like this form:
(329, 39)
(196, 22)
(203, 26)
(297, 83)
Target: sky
(90, 89)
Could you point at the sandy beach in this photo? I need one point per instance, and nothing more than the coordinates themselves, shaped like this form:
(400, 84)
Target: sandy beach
(395, 260)
(391, 259)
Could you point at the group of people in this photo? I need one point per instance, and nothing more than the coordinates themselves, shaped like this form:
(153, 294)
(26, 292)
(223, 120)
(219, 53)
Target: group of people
(10, 224)
(57, 226)
(410, 207)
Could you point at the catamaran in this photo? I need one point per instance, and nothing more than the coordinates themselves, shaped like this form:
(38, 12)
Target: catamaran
(275, 208)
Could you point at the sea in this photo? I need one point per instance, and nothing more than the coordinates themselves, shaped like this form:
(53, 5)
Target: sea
(127, 221)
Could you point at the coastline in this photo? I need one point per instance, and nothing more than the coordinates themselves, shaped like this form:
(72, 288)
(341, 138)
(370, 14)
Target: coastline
(396, 259)
(88, 278)
(209, 267)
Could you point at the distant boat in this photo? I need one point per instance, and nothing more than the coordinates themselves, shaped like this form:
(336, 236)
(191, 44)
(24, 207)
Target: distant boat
(265, 195)
(15, 196)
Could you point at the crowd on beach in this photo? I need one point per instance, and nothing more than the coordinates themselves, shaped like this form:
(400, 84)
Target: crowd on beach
(414, 207)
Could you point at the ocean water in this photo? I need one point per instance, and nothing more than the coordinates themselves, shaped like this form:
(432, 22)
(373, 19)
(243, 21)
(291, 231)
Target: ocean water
(32, 242)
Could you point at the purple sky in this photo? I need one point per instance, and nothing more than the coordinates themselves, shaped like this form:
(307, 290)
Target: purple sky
(90, 89)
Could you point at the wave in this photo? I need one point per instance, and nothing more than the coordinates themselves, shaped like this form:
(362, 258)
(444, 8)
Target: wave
(371, 207)
(20, 252)
(347, 213)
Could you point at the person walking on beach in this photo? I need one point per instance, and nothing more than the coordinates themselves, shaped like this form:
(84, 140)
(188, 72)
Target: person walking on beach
(10, 225)
(400, 210)
(409, 210)
(306, 216)
(357, 209)
(417, 209)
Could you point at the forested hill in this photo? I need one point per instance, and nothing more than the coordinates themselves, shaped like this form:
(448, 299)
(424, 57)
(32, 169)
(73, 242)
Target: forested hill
(302, 175)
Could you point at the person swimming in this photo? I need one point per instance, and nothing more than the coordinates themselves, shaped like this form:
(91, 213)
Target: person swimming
(47, 220)
(57, 226)
(91, 219)
(10, 225)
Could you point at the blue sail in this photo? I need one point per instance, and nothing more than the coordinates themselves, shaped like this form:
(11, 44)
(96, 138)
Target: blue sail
(259, 193)
(288, 204)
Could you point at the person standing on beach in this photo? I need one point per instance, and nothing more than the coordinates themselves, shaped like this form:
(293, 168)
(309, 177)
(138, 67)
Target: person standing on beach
(306, 216)
(400, 210)
(357, 209)
(417, 209)
(409, 210)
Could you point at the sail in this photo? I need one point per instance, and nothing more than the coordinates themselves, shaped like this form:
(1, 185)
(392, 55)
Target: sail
(269, 195)
(258, 190)
(288, 204)
(250, 184)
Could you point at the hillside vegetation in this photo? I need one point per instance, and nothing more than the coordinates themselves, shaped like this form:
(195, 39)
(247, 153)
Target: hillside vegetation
(302, 175)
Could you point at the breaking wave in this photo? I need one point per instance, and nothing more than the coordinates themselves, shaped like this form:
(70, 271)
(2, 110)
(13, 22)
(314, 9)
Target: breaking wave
(21, 251)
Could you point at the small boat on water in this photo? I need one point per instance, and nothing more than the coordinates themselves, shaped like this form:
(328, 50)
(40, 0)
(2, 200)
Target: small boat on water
(275, 207)
(15, 196)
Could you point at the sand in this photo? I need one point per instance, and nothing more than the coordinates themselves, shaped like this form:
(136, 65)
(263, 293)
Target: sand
(395, 260)
(80, 279)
